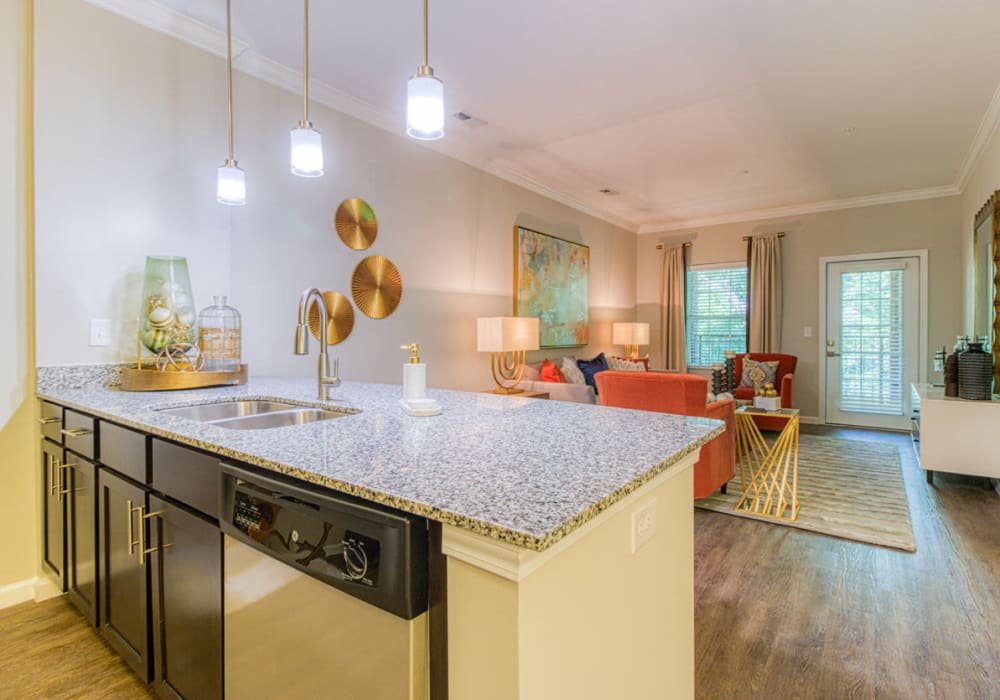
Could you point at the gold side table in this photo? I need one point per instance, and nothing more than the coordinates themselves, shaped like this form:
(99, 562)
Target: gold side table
(769, 474)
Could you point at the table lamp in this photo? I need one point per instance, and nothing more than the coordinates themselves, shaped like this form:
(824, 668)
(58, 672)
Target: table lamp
(508, 338)
(631, 335)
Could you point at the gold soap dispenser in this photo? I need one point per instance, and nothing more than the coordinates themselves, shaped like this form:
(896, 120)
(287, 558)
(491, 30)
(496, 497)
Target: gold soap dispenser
(415, 401)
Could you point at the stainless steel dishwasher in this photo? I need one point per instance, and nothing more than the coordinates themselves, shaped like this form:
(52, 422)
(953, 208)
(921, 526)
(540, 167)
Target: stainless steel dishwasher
(325, 596)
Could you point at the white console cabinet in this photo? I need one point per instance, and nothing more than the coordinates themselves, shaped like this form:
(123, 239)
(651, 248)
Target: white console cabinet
(955, 435)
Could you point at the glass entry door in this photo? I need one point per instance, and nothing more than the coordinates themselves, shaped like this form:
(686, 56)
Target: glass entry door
(872, 341)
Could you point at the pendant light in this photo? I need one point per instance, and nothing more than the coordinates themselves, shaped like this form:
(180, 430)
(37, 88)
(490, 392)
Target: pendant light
(425, 100)
(306, 143)
(231, 186)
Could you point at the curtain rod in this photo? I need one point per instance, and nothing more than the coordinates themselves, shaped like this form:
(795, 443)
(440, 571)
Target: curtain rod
(779, 235)
(659, 246)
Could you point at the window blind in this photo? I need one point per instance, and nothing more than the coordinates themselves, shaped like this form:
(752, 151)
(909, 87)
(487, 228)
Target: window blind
(716, 301)
(871, 339)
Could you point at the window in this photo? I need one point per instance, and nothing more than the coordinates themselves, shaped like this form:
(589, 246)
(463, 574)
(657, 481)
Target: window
(716, 307)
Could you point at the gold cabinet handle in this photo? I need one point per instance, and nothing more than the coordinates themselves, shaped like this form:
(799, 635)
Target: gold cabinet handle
(143, 550)
(49, 420)
(76, 432)
(53, 463)
(132, 542)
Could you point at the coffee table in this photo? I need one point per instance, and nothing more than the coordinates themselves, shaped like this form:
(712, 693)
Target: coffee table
(769, 473)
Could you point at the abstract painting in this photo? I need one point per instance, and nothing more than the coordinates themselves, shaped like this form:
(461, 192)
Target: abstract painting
(551, 281)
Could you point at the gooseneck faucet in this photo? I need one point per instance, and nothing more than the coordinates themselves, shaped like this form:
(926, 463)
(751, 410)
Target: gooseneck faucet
(325, 379)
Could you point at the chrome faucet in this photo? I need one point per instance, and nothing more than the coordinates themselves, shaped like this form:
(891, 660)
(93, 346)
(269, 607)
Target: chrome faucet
(325, 379)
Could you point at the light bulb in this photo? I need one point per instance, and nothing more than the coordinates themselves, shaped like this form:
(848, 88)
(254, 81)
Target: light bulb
(231, 186)
(307, 151)
(425, 106)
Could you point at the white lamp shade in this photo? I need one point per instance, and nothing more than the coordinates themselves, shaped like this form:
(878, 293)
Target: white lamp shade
(307, 152)
(231, 186)
(507, 333)
(630, 333)
(425, 107)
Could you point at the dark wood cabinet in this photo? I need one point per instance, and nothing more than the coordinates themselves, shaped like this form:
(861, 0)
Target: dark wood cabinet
(124, 579)
(80, 497)
(53, 514)
(186, 573)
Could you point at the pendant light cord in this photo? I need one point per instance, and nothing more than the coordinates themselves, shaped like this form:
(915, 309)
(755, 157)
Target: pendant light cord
(229, 77)
(425, 32)
(305, 63)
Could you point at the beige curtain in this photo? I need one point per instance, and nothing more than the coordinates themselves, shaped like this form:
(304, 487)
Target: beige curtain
(765, 294)
(672, 308)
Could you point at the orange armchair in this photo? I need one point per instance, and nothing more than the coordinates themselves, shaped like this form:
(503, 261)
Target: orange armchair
(682, 394)
(783, 377)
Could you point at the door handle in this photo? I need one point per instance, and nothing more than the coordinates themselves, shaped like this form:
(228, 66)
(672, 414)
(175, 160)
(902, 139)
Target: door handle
(831, 353)
(47, 421)
(75, 432)
(58, 481)
(143, 550)
(132, 542)
(53, 486)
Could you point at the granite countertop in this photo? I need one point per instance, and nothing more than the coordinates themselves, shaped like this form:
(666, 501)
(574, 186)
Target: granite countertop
(525, 471)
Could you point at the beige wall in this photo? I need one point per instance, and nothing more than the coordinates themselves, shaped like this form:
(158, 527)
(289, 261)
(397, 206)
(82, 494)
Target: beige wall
(931, 224)
(983, 182)
(17, 474)
(148, 131)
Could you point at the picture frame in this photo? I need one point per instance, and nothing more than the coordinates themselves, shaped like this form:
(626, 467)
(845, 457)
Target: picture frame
(552, 283)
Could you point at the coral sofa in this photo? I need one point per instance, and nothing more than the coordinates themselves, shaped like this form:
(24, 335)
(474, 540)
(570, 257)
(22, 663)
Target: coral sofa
(783, 377)
(682, 394)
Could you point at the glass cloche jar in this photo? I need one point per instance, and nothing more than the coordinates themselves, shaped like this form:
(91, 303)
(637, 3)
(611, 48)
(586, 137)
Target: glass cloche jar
(220, 336)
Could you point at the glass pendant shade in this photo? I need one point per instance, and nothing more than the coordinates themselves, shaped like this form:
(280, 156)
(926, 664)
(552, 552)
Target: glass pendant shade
(231, 186)
(425, 107)
(307, 152)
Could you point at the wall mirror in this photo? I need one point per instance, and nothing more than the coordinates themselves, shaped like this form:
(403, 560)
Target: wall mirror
(986, 261)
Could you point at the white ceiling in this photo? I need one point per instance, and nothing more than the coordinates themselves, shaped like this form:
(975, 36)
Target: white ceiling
(692, 110)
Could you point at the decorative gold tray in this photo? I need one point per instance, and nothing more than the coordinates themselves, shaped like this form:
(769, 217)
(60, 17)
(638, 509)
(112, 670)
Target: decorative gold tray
(150, 379)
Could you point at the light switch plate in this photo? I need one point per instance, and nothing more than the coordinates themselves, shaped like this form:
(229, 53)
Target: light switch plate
(807, 331)
(643, 525)
(100, 332)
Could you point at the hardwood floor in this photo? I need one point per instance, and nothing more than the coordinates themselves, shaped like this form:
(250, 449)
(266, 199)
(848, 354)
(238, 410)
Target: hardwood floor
(782, 613)
(47, 650)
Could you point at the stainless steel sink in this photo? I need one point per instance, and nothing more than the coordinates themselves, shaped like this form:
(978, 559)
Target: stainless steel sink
(253, 415)
(211, 412)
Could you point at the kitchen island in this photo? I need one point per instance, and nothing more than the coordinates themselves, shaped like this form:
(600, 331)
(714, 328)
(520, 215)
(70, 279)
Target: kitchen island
(568, 528)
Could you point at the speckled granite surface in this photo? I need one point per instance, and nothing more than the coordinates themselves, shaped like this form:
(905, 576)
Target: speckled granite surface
(526, 471)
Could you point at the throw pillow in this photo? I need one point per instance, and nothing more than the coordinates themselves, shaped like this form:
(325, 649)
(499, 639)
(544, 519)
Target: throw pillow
(757, 374)
(591, 367)
(550, 373)
(532, 372)
(572, 373)
(624, 365)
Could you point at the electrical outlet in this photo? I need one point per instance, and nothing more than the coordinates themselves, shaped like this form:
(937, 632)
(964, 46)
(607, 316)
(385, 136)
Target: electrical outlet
(807, 331)
(100, 332)
(643, 525)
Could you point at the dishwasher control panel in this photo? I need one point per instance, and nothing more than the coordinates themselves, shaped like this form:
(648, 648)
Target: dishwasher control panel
(370, 552)
(324, 546)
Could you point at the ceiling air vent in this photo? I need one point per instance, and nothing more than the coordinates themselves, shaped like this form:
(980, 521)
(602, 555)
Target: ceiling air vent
(469, 120)
(608, 191)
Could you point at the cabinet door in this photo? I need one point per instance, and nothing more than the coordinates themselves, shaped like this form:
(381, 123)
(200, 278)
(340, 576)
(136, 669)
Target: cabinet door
(187, 603)
(53, 541)
(124, 601)
(80, 496)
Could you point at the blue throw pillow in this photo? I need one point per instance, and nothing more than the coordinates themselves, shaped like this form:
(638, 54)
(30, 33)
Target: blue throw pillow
(592, 367)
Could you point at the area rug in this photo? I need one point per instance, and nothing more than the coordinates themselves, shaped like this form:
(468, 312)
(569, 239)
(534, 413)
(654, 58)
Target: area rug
(851, 489)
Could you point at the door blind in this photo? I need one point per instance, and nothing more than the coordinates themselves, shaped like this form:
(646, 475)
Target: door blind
(871, 339)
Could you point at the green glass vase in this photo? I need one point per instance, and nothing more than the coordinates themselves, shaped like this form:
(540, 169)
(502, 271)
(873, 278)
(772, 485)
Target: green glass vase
(167, 314)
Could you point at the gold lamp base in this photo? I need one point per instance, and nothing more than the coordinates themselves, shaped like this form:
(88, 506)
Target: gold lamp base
(508, 369)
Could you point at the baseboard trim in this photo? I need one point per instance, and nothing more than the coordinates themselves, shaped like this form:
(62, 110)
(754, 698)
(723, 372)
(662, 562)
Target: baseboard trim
(45, 588)
(37, 589)
(810, 420)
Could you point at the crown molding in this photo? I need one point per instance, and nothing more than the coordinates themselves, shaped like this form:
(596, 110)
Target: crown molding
(987, 127)
(802, 209)
(246, 60)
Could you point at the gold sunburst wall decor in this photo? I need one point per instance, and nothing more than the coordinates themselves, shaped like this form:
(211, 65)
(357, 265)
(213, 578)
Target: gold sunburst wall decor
(341, 321)
(376, 286)
(356, 223)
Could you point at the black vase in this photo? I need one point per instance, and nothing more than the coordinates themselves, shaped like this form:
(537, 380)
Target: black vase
(975, 373)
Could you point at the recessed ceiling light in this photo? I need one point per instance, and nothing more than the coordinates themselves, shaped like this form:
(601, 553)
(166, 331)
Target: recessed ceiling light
(741, 173)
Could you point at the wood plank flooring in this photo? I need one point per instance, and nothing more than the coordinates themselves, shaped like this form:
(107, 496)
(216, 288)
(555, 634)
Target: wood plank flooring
(780, 613)
(47, 650)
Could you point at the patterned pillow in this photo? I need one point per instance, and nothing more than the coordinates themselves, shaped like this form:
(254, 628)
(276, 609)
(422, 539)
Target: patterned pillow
(757, 374)
(623, 365)
(571, 372)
